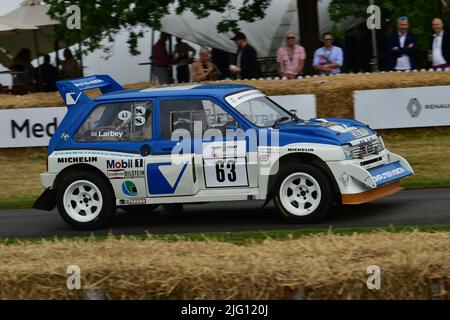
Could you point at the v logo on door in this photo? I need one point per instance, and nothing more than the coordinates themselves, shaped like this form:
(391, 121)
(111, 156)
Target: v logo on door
(163, 178)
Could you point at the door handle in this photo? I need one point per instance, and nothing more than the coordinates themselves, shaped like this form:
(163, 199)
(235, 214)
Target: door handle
(145, 150)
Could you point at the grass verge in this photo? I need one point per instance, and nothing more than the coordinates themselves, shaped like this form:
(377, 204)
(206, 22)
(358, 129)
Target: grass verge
(239, 238)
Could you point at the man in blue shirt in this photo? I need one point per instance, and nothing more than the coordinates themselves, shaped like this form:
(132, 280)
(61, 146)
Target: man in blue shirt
(328, 59)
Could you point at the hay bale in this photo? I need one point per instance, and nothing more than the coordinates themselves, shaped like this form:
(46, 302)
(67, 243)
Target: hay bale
(334, 94)
(322, 266)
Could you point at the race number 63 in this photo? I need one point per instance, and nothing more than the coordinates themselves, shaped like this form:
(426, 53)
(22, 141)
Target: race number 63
(228, 172)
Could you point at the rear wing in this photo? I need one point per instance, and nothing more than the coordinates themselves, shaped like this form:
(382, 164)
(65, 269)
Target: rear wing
(72, 90)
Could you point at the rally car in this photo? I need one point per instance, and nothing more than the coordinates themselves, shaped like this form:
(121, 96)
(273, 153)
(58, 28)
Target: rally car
(172, 145)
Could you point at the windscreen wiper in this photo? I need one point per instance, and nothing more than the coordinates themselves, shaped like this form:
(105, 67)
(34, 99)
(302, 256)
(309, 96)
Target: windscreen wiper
(282, 119)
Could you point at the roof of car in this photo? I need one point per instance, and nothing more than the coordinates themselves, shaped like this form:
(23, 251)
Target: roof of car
(216, 90)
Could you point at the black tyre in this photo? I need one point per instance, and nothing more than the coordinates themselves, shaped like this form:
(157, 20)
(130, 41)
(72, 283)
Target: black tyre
(85, 200)
(303, 193)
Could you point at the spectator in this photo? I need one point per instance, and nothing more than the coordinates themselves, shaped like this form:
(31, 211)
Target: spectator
(440, 46)
(247, 60)
(161, 61)
(329, 58)
(291, 58)
(203, 69)
(183, 57)
(221, 61)
(24, 80)
(402, 47)
(49, 75)
(70, 66)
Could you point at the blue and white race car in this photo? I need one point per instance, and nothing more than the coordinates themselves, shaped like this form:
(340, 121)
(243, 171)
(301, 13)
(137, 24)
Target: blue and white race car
(170, 145)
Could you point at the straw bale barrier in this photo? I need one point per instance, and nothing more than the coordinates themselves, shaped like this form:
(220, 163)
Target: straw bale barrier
(323, 266)
(334, 93)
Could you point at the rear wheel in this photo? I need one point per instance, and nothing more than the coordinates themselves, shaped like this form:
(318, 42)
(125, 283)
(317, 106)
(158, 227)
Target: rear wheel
(303, 194)
(85, 201)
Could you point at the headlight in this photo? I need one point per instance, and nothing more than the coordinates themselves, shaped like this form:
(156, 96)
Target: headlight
(348, 151)
(381, 146)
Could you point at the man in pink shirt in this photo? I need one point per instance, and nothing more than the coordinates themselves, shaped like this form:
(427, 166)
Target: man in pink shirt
(291, 58)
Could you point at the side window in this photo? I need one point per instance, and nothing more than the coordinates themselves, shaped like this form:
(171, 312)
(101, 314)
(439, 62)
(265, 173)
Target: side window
(181, 114)
(126, 122)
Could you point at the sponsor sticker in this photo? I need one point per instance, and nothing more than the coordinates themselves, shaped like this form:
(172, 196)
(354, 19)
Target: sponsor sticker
(140, 110)
(124, 164)
(389, 174)
(139, 121)
(137, 202)
(300, 150)
(360, 133)
(124, 115)
(107, 134)
(133, 202)
(125, 174)
(77, 160)
(129, 188)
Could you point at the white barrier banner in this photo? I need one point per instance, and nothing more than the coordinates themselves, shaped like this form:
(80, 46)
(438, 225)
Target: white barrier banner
(34, 127)
(403, 108)
(31, 127)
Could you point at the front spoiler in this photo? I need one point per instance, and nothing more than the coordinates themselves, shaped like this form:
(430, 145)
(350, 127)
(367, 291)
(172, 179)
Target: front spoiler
(47, 200)
(372, 195)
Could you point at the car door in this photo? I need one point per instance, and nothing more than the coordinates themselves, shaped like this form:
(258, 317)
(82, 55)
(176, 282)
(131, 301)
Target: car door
(227, 150)
(118, 135)
(207, 160)
(168, 174)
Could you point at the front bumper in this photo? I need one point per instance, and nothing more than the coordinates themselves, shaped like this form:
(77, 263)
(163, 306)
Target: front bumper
(362, 181)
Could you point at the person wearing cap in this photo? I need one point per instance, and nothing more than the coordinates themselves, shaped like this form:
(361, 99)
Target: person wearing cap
(402, 47)
(439, 54)
(291, 58)
(329, 58)
(247, 59)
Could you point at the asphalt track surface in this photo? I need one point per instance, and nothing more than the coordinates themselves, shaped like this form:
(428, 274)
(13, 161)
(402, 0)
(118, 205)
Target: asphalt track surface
(412, 207)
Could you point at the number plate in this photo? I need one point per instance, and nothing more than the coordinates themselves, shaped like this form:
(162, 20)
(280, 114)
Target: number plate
(228, 172)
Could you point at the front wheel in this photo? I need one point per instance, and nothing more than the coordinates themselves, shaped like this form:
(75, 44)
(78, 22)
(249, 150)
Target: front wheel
(85, 200)
(303, 194)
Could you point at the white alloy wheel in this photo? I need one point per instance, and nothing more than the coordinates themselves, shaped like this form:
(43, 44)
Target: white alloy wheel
(300, 194)
(83, 201)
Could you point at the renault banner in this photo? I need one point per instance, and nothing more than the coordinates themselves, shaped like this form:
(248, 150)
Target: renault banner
(404, 108)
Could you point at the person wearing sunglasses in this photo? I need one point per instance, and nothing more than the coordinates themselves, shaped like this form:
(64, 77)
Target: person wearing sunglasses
(291, 58)
(402, 47)
(329, 58)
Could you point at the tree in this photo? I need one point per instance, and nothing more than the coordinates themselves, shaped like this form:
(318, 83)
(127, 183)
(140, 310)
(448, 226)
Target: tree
(102, 19)
(309, 29)
(419, 12)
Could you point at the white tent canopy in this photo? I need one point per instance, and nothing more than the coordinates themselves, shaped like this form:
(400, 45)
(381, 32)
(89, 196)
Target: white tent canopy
(265, 35)
(39, 41)
(9, 27)
(31, 12)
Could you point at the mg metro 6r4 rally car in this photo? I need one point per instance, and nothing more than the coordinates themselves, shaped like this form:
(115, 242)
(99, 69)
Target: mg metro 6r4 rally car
(137, 149)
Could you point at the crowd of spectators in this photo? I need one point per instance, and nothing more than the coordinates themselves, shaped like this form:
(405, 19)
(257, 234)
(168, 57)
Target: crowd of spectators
(27, 78)
(399, 53)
